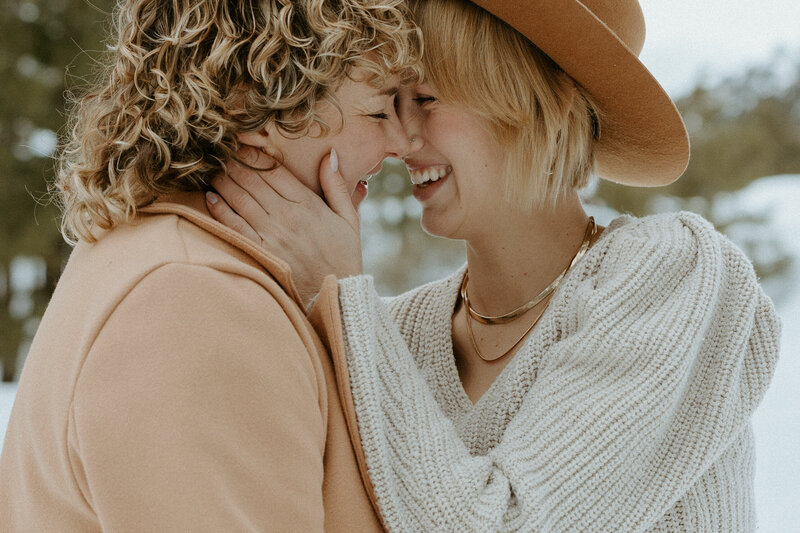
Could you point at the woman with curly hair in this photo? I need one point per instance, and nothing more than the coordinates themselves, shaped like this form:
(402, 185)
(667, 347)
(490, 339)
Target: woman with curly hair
(569, 377)
(175, 382)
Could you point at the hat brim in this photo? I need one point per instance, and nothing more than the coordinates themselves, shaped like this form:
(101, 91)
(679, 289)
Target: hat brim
(643, 140)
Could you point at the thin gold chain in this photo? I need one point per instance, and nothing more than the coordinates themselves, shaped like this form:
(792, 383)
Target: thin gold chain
(496, 357)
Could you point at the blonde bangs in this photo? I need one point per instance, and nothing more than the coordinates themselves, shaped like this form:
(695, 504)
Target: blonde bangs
(539, 116)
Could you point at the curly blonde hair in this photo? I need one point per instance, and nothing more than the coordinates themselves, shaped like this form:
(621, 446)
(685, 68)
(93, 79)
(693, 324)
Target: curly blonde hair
(186, 76)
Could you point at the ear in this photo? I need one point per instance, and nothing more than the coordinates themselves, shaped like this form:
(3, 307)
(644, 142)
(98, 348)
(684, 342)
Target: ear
(256, 139)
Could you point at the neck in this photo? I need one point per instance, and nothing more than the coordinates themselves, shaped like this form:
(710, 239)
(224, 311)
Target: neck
(522, 254)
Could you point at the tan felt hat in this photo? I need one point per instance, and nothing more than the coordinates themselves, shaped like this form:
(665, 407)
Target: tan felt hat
(643, 140)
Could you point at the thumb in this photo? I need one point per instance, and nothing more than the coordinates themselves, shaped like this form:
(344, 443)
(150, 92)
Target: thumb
(334, 189)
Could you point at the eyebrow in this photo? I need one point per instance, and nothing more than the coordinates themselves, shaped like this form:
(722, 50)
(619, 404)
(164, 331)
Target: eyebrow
(389, 91)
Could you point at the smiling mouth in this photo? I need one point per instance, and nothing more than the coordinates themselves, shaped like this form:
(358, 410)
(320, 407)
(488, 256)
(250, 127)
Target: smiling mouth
(424, 177)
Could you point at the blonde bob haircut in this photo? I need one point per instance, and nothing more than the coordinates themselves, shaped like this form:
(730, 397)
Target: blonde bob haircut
(545, 123)
(184, 77)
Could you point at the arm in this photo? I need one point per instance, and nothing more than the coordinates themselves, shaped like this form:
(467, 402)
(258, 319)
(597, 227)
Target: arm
(722, 500)
(198, 410)
(677, 402)
(619, 424)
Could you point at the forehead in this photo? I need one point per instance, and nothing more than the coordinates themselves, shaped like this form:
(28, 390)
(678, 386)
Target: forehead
(359, 87)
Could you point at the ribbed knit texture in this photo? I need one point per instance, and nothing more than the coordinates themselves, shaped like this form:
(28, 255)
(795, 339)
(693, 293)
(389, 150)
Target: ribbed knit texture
(627, 409)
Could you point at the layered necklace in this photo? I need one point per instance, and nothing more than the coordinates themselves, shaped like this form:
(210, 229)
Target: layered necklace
(472, 314)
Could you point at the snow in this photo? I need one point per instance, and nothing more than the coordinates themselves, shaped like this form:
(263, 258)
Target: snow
(777, 421)
(7, 391)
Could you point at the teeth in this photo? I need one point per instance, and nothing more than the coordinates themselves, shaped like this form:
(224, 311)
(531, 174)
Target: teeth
(418, 177)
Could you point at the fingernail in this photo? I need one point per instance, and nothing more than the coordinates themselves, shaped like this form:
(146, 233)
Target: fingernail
(212, 198)
(334, 160)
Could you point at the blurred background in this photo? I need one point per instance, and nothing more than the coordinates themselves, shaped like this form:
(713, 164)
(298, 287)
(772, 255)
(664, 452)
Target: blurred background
(733, 68)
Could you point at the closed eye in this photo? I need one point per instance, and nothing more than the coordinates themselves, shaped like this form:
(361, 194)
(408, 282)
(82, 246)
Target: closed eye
(385, 116)
(422, 100)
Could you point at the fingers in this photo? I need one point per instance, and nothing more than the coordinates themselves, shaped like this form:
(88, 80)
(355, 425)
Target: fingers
(221, 211)
(335, 191)
(241, 200)
(256, 174)
(274, 187)
(266, 169)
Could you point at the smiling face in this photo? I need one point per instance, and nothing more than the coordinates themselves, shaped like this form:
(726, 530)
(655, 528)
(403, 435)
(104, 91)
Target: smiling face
(366, 132)
(507, 129)
(457, 166)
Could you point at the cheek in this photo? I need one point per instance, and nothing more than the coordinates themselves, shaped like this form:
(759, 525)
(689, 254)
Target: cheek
(364, 150)
(470, 146)
(302, 158)
(445, 133)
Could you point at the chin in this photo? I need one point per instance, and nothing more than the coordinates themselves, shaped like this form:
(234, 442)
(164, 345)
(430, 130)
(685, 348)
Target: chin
(436, 228)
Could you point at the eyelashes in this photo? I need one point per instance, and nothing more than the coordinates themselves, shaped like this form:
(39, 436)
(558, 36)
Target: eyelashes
(419, 100)
(385, 116)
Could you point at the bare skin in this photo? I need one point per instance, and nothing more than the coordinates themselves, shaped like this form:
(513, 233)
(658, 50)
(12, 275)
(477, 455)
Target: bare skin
(493, 292)
(276, 205)
(512, 254)
(278, 213)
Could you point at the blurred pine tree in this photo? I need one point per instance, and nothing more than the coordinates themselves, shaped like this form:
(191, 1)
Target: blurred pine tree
(742, 128)
(39, 43)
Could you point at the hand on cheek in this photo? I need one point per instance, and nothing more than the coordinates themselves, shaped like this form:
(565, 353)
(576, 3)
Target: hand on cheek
(285, 218)
(334, 190)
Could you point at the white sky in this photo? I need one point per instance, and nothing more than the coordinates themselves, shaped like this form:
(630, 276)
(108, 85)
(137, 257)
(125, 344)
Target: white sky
(686, 37)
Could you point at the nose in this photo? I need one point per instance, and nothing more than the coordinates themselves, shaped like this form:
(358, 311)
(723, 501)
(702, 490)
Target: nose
(400, 144)
(410, 120)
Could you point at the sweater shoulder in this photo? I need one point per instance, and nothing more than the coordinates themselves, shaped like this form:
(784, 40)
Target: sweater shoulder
(679, 240)
(673, 264)
(661, 270)
(671, 230)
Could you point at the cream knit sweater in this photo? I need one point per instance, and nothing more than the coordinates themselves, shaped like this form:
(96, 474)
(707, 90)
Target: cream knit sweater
(627, 409)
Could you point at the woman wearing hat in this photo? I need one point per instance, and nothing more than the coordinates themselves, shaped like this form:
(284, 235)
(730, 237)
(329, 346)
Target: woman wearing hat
(569, 377)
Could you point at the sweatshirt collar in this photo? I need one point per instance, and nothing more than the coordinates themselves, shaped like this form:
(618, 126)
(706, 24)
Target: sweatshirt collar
(192, 207)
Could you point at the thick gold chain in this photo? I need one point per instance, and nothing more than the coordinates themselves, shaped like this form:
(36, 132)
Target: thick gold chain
(591, 231)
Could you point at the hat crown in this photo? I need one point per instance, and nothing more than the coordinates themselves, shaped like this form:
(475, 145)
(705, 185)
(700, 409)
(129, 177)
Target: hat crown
(623, 17)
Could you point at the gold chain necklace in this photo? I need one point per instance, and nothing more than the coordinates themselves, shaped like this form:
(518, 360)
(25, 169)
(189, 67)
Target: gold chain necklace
(496, 357)
(591, 230)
